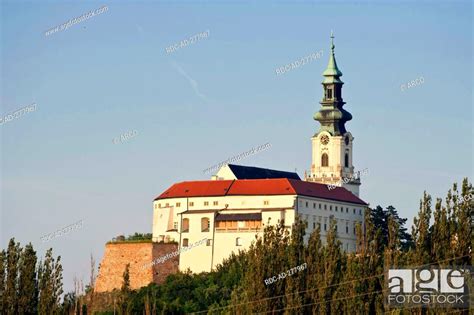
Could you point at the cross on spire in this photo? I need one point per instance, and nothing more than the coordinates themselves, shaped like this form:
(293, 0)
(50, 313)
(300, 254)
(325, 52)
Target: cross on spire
(332, 42)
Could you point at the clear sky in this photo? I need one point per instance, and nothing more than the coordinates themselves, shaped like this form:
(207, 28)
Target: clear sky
(217, 98)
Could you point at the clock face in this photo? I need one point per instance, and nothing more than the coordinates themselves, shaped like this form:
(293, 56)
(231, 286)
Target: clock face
(325, 139)
(346, 140)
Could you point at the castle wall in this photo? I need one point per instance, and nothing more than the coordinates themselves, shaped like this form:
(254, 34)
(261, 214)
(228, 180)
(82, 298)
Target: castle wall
(140, 257)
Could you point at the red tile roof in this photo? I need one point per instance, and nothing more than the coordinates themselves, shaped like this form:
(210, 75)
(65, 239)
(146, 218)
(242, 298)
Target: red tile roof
(253, 187)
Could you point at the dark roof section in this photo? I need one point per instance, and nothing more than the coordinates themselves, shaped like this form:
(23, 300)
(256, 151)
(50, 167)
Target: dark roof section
(251, 172)
(239, 216)
(258, 187)
(310, 189)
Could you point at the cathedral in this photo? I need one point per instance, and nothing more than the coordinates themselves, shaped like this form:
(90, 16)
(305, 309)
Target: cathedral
(224, 214)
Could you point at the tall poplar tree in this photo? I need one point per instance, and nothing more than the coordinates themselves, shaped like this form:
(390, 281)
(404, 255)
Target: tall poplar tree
(463, 214)
(440, 235)
(45, 283)
(11, 288)
(420, 254)
(296, 257)
(57, 284)
(332, 268)
(27, 284)
(315, 272)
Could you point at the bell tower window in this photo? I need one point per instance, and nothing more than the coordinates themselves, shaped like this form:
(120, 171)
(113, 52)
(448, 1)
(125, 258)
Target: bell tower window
(346, 160)
(324, 160)
(329, 93)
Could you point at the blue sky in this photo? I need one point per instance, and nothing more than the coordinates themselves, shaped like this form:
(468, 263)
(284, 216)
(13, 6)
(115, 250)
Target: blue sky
(217, 98)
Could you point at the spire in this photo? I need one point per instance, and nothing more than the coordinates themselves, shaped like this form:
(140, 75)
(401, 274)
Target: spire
(332, 116)
(332, 72)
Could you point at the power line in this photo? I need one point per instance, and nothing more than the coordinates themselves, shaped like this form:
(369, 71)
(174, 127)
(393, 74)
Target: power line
(329, 286)
(315, 303)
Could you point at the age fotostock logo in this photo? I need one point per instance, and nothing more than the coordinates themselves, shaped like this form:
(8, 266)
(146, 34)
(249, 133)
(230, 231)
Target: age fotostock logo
(428, 287)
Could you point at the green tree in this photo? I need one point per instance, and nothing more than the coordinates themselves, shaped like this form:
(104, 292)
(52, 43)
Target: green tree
(420, 254)
(11, 288)
(45, 284)
(463, 215)
(332, 269)
(296, 282)
(440, 234)
(3, 267)
(315, 267)
(69, 303)
(27, 284)
(125, 291)
(57, 285)
(380, 219)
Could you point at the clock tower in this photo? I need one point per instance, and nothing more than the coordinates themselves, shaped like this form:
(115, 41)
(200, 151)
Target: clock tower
(332, 144)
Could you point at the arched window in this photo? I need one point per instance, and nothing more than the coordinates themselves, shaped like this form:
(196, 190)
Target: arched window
(324, 160)
(346, 160)
(205, 224)
(185, 242)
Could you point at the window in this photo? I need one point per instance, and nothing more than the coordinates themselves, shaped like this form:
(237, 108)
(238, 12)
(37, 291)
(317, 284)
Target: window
(319, 206)
(325, 226)
(238, 241)
(191, 204)
(360, 211)
(346, 160)
(178, 204)
(314, 225)
(330, 208)
(329, 93)
(175, 225)
(306, 204)
(319, 226)
(215, 203)
(347, 210)
(159, 205)
(354, 211)
(185, 242)
(205, 224)
(155, 205)
(206, 203)
(336, 226)
(325, 207)
(167, 204)
(314, 205)
(336, 208)
(324, 160)
(209, 242)
(266, 202)
(347, 229)
(185, 226)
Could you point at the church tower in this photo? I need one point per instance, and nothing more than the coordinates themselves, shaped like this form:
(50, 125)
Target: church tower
(332, 144)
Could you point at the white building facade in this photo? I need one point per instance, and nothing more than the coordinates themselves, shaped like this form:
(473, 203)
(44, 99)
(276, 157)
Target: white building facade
(231, 213)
